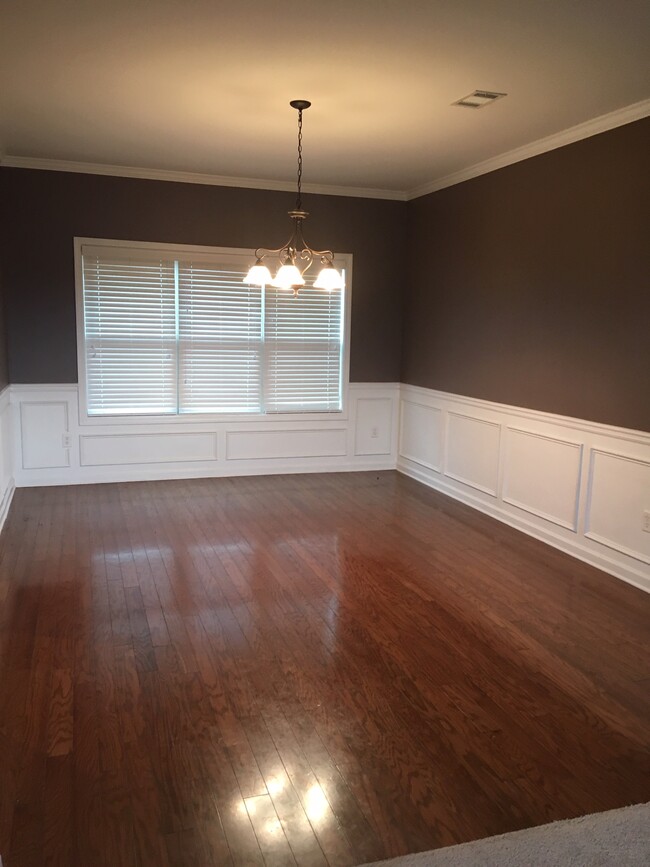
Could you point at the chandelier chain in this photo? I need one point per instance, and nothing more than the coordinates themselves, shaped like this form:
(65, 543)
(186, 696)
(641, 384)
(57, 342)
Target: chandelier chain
(299, 199)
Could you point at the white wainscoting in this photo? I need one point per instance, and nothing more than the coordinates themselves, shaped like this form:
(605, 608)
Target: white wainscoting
(52, 446)
(7, 485)
(580, 486)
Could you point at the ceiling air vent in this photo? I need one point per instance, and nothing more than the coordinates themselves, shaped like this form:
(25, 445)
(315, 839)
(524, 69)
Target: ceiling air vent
(479, 98)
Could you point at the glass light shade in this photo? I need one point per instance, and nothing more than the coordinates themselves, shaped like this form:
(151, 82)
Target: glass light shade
(287, 277)
(258, 275)
(329, 278)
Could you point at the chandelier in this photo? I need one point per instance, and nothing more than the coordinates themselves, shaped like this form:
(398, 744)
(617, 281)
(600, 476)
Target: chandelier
(296, 256)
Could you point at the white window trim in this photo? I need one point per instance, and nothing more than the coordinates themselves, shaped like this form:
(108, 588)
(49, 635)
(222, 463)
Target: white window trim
(343, 260)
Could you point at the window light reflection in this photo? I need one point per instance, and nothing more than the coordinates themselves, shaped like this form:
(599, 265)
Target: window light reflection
(275, 786)
(316, 804)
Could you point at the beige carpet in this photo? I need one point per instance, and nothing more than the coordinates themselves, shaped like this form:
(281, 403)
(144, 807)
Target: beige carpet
(617, 838)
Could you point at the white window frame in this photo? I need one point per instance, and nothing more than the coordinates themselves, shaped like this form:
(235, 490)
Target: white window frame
(343, 260)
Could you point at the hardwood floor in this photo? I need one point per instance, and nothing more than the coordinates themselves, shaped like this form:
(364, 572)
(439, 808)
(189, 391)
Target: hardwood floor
(322, 669)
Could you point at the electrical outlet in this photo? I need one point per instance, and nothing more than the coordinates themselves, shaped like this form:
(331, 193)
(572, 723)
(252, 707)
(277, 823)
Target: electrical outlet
(67, 441)
(646, 521)
(374, 433)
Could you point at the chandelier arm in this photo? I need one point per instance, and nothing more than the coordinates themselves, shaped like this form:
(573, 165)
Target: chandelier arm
(261, 252)
(306, 255)
(322, 252)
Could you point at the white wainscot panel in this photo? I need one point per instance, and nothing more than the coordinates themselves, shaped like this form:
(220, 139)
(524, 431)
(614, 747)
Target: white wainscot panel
(261, 444)
(43, 426)
(421, 434)
(542, 476)
(473, 452)
(373, 426)
(619, 495)
(147, 448)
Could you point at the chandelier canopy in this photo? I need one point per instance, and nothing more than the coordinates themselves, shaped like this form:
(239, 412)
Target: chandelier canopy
(296, 256)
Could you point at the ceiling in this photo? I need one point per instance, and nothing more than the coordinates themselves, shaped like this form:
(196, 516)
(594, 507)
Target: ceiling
(200, 86)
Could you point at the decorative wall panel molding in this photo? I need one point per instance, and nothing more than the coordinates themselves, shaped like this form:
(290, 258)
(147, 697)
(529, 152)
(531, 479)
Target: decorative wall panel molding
(553, 495)
(580, 486)
(619, 492)
(44, 425)
(472, 453)
(146, 448)
(421, 434)
(52, 447)
(265, 444)
(373, 432)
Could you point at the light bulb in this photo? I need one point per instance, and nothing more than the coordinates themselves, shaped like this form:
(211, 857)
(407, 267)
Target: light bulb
(288, 276)
(329, 278)
(258, 275)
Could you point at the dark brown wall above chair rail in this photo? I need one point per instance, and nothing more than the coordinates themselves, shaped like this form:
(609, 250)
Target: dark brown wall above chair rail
(43, 211)
(531, 284)
(4, 366)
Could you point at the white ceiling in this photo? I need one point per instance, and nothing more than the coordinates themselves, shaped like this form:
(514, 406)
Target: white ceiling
(202, 86)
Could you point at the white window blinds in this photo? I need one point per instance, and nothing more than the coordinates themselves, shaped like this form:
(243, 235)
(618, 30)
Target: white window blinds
(220, 340)
(130, 332)
(303, 343)
(168, 333)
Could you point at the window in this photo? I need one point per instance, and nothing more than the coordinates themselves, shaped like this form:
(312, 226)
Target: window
(170, 330)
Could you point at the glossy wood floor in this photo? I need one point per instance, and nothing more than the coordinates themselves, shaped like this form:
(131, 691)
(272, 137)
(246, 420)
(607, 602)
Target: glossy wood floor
(312, 669)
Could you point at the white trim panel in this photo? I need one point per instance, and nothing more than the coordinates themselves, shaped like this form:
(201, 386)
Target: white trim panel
(374, 429)
(580, 486)
(44, 432)
(146, 448)
(472, 453)
(54, 447)
(553, 495)
(619, 491)
(422, 434)
(265, 444)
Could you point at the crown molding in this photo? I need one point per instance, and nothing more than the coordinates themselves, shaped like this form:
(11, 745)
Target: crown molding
(50, 165)
(620, 117)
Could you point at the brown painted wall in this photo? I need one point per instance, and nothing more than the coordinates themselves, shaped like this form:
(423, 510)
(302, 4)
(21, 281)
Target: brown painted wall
(44, 211)
(4, 367)
(531, 287)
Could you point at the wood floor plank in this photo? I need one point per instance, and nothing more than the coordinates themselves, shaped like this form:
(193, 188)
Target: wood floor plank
(314, 670)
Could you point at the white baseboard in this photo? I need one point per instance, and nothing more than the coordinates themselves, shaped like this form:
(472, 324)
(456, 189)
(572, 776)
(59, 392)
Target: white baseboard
(579, 486)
